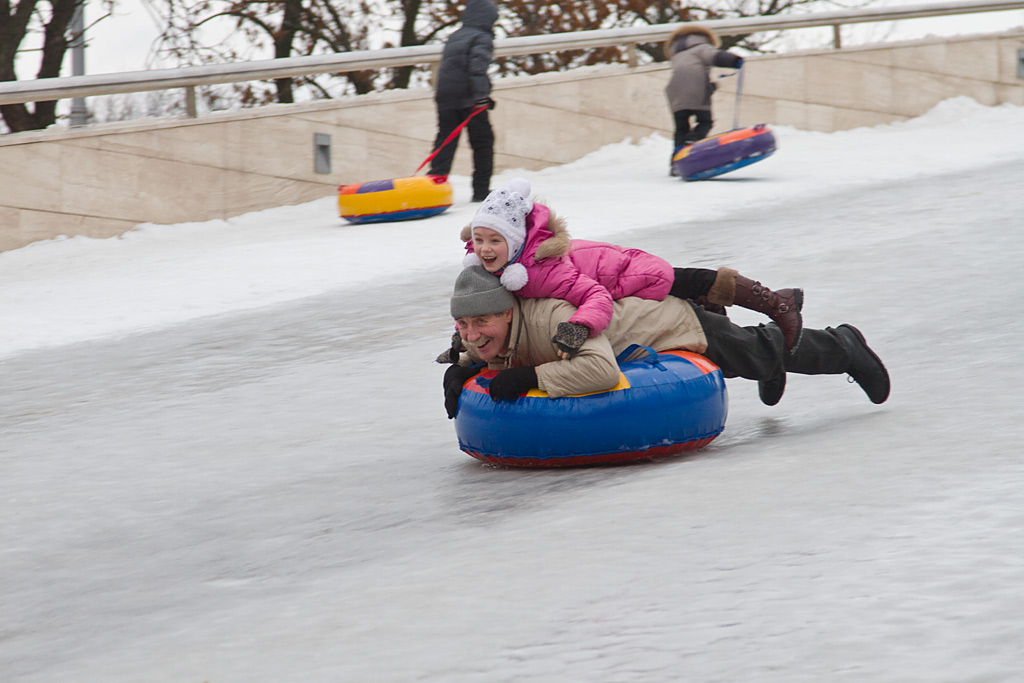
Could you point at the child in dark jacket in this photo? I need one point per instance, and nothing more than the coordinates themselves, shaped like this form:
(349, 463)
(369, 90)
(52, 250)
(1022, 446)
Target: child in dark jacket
(693, 50)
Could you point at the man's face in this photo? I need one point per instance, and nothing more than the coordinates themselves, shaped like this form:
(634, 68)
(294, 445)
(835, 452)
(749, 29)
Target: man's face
(488, 334)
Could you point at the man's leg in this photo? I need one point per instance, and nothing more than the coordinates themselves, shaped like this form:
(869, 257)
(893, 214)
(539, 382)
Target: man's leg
(481, 139)
(755, 353)
(447, 121)
(843, 349)
(758, 353)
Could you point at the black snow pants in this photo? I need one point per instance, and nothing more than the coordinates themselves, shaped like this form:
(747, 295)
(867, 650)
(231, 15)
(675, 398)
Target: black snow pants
(481, 139)
(758, 353)
(683, 135)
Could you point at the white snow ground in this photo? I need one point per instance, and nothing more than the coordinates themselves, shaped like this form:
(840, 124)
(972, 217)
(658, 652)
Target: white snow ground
(224, 457)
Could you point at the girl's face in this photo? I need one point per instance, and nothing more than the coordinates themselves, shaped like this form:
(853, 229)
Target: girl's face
(491, 247)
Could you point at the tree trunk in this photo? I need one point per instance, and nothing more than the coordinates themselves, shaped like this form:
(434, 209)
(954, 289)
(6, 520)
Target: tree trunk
(13, 29)
(283, 41)
(403, 74)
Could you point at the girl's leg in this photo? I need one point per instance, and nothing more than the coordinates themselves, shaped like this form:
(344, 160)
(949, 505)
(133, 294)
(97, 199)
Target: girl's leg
(682, 119)
(692, 283)
(447, 121)
(727, 287)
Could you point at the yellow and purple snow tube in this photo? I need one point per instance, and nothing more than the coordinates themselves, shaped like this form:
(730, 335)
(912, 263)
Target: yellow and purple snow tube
(722, 153)
(396, 199)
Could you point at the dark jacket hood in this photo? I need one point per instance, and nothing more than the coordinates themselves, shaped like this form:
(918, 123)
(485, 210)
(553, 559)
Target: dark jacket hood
(480, 14)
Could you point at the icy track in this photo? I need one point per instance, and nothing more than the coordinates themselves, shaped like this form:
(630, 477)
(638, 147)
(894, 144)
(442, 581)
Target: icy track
(224, 456)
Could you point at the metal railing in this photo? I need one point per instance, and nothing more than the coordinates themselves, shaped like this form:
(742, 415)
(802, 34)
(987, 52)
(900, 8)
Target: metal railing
(45, 89)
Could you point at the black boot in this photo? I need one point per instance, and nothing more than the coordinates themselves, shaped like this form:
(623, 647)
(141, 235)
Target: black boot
(771, 390)
(865, 367)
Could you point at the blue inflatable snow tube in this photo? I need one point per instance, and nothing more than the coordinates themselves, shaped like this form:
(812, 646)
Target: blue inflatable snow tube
(665, 403)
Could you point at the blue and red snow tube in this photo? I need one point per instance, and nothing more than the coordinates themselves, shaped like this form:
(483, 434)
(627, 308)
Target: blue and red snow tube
(720, 154)
(665, 404)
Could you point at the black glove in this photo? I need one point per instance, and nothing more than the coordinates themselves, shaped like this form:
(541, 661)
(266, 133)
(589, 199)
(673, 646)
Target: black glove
(454, 378)
(569, 337)
(511, 384)
(451, 355)
(485, 102)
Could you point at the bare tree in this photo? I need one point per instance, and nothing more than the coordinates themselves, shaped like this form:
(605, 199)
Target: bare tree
(289, 28)
(196, 30)
(35, 27)
(538, 17)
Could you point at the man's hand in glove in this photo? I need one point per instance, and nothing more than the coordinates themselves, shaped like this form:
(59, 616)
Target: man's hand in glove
(451, 355)
(454, 378)
(485, 102)
(509, 385)
(568, 339)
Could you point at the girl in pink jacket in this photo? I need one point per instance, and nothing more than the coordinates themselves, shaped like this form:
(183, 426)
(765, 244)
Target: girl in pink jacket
(529, 248)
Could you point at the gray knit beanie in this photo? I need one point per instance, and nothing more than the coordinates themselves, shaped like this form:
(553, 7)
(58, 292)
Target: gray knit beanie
(477, 292)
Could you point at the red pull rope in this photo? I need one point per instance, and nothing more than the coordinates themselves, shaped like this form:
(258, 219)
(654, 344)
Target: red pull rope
(455, 132)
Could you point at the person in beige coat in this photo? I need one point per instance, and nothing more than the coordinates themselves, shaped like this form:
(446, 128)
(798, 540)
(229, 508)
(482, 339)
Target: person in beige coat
(515, 336)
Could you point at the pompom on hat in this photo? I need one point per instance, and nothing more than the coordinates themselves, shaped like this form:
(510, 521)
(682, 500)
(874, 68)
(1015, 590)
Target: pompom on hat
(477, 292)
(505, 211)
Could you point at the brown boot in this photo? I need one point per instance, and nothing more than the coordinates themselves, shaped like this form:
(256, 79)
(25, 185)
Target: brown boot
(782, 306)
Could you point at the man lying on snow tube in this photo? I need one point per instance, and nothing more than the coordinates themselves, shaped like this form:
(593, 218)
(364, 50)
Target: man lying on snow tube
(664, 404)
(514, 337)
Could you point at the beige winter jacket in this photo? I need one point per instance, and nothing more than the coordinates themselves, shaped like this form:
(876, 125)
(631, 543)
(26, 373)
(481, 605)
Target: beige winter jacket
(662, 325)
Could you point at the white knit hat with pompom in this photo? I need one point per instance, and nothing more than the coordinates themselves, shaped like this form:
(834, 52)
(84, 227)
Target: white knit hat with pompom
(505, 212)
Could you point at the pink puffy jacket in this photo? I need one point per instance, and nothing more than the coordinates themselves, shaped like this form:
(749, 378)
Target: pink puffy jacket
(589, 275)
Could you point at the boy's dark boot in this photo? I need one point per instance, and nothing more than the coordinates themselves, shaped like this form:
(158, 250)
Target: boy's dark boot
(782, 306)
(865, 367)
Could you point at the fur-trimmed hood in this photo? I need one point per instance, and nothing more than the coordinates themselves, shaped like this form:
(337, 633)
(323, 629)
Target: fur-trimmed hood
(700, 34)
